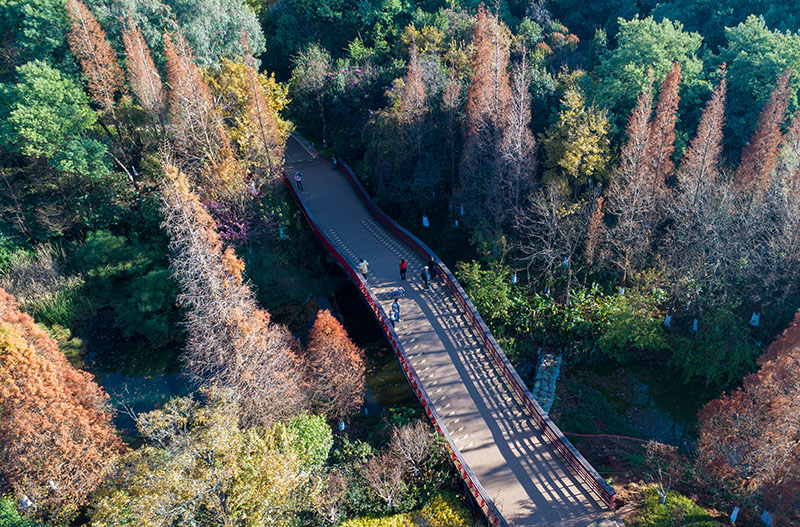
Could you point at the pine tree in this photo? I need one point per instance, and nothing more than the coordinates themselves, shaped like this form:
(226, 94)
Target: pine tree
(486, 116)
(56, 435)
(662, 130)
(231, 342)
(98, 61)
(337, 367)
(143, 77)
(760, 155)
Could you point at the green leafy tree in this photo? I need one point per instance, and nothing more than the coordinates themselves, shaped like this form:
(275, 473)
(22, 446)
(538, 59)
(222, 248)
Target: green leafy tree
(193, 19)
(33, 29)
(711, 18)
(489, 289)
(645, 53)
(756, 57)
(576, 146)
(49, 118)
(199, 466)
(10, 517)
(722, 352)
(310, 437)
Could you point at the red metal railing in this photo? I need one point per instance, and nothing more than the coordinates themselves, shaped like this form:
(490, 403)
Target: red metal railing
(476, 490)
(550, 430)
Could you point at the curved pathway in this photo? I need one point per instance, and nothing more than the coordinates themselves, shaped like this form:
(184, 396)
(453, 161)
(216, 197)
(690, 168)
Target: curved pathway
(520, 469)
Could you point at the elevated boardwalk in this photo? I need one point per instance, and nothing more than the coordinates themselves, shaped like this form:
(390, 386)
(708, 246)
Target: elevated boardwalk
(518, 466)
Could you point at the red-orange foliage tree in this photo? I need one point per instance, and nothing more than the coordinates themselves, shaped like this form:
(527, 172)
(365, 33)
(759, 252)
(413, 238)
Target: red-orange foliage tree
(231, 342)
(56, 435)
(412, 104)
(337, 366)
(662, 130)
(143, 76)
(98, 61)
(760, 155)
(271, 144)
(197, 127)
(631, 196)
(750, 439)
(486, 116)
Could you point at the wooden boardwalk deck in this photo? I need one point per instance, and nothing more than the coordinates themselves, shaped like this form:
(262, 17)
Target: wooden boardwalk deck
(518, 467)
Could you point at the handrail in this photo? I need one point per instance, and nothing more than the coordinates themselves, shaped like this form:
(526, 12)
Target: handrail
(571, 455)
(476, 490)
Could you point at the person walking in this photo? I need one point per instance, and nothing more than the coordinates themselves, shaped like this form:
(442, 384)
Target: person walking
(432, 267)
(396, 309)
(403, 268)
(298, 178)
(426, 277)
(393, 318)
(363, 266)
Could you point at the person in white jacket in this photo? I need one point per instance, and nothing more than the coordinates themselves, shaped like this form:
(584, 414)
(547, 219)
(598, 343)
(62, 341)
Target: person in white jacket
(363, 266)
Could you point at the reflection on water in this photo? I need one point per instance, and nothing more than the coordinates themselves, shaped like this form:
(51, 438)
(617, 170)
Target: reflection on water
(653, 400)
(138, 376)
(385, 378)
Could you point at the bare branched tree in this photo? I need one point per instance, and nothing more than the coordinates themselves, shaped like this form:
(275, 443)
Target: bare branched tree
(384, 474)
(414, 444)
(231, 342)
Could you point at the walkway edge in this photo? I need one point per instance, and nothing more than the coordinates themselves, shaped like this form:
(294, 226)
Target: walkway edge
(567, 450)
(476, 490)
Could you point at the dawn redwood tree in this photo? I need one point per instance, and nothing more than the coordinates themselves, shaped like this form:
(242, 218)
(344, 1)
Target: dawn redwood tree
(56, 435)
(486, 117)
(143, 77)
(750, 438)
(662, 130)
(631, 193)
(760, 155)
(518, 147)
(595, 233)
(197, 127)
(413, 107)
(700, 217)
(337, 367)
(270, 141)
(98, 61)
(231, 341)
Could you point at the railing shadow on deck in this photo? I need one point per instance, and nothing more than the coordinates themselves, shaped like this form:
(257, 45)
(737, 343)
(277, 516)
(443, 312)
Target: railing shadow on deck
(476, 490)
(570, 454)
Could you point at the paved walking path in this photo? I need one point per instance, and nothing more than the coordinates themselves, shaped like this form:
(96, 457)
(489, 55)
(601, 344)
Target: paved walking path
(519, 468)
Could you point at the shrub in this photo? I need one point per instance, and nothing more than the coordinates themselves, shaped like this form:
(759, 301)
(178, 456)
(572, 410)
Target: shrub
(444, 510)
(677, 510)
(9, 516)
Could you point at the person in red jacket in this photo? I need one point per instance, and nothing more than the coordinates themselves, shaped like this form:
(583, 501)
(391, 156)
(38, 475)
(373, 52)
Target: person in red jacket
(403, 267)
